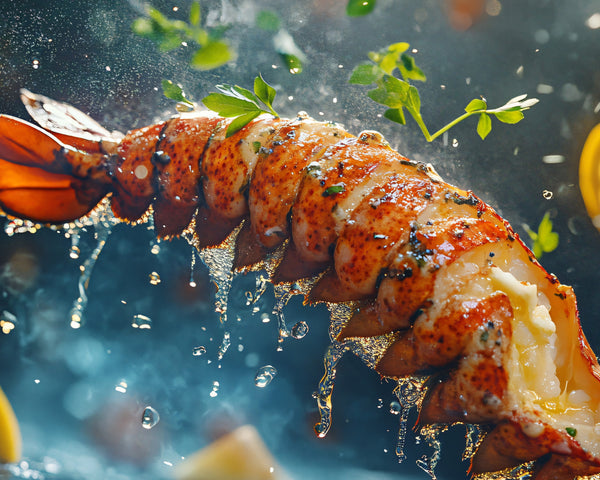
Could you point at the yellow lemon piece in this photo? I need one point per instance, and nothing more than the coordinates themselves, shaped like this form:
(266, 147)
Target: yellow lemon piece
(10, 435)
(589, 175)
(239, 455)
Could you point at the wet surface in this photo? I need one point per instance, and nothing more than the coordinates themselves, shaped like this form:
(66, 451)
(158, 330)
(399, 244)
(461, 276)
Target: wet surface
(151, 346)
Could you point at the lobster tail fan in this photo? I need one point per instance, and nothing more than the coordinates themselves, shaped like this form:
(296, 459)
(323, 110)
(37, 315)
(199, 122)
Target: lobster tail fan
(38, 180)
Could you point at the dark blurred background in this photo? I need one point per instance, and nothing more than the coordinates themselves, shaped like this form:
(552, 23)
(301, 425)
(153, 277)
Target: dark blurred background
(64, 383)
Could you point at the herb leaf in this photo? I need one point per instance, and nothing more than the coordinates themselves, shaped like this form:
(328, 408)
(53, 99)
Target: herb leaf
(358, 8)
(544, 240)
(209, 52)
(175, 92)
(391, 71)
(241, 104)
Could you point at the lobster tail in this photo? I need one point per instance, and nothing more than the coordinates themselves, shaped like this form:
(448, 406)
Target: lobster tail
(44, 180)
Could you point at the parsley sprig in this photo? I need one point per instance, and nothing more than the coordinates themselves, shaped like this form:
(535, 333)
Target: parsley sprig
(241, 104)
(544, 240)
(399, 95)
(168, 34)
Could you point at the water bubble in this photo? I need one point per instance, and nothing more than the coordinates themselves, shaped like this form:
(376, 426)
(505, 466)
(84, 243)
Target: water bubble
(299, 330)
(379, 403)
(35, 64)
(395, 408)
(8, 322)
(154, 278)
(198, 351)
(150, 417)
(455, 142)
(264, 376)
(121, 387)
(142, 322)
(155, 249)
(547, 194)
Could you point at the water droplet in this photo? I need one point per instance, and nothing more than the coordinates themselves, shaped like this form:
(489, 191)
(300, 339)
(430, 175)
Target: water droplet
(155, 249)
(35, 64)
(142, 322)
(215, 389)
(74, 252)
(553, 159)
(121, 387)
(395, 408)
(379, 403)
(150, 417)
(154, 278)
(299, 330)
(455, 142)
(264, 376)
(198, 351)
(547, 194)
(224, 345)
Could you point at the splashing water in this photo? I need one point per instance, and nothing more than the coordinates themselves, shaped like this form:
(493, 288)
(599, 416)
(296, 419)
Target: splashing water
(410, 393)
(431, 433)
(103, 230)
(473, 438)
(333, 355)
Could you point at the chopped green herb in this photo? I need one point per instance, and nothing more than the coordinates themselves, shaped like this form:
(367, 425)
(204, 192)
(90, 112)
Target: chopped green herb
(256, 146)
(334, 190)
(211, 51)
(545, 240)
(484, 336)
(241, 104)
(397, 93)
(358, 8)
(292, 63)
(571, 431)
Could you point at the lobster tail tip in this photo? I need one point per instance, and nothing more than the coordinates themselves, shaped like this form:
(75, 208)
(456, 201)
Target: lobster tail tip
(37, 179)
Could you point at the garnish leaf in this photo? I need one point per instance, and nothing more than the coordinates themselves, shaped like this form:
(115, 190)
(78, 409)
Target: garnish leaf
(358, 8)
(392, 70)
(268, 20)
(208, 50)
(241, 104)
(484, 125)
(544, 240)
(174, 92)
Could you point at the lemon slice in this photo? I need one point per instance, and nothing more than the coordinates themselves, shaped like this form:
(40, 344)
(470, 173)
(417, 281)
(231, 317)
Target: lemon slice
(10, 435)
(589, 175)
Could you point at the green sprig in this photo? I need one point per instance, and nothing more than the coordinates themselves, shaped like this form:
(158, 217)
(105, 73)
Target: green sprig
(168, 34)
(397, 93)
(544, 240)
(241, 104)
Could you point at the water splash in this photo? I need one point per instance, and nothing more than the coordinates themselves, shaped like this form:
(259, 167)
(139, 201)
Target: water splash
(333, 355)
(428, 463)
(299, 330)
(225, 343)
(103, 230)
(410, 393)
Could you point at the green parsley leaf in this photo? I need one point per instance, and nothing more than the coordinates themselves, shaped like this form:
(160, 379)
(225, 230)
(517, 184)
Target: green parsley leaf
(174, 92)
(241, 104)
(544, 240)
(358, 8)
(571, 431)
(475, 104)
(208, 51)
(365, 74)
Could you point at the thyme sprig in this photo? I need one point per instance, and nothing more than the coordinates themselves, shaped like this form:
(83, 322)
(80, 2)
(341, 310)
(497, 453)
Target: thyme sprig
(395, 91)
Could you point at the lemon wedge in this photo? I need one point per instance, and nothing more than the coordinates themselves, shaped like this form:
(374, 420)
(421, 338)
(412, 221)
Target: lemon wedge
(10, 435)
(589, 175)
(239, 455)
